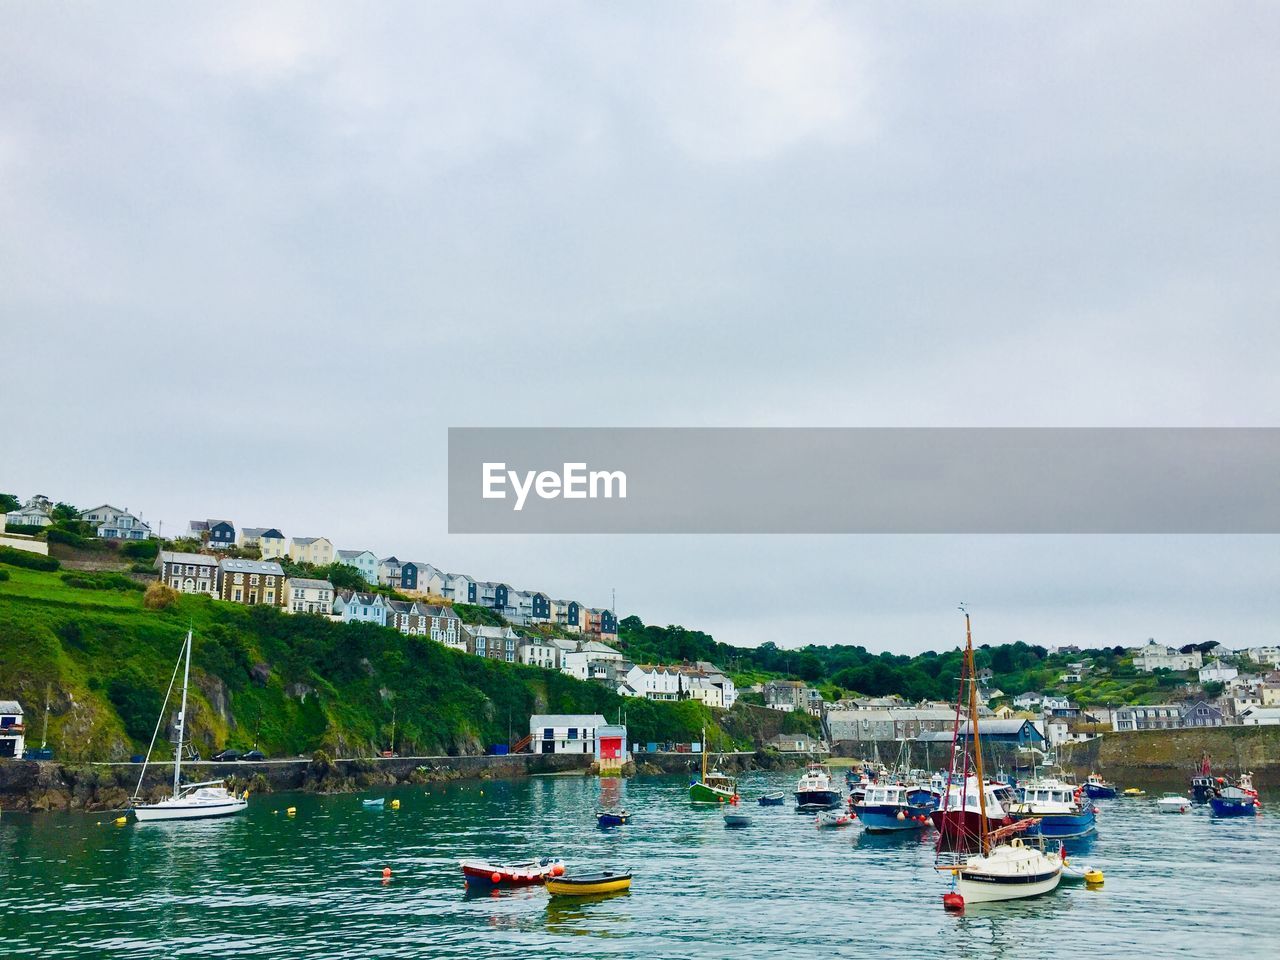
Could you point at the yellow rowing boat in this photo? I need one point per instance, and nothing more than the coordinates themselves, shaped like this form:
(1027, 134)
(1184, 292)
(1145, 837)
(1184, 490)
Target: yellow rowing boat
(588, 884)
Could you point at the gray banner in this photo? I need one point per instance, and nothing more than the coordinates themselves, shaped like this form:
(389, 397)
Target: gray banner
(832, 480)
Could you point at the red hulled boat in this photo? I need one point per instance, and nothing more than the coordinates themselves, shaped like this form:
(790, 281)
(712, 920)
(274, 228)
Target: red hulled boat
(522, 874)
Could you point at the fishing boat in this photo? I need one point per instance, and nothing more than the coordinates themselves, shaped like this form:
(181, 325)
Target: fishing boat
(815, 790)
(1058, 810)
(1232, 801)
(712, 787)
(964, 810)
(833, 818)
(772, 799)
(1173, 803)
(733, 818)
(589, 884)
(1134, 792)
(1098, 789)
(612, 818)
(522, 873)
(887, 808)
(1203, 784)
(189, 801)
(375, 803)
(1005, 868)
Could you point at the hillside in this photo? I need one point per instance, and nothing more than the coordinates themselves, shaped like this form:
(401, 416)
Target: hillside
(292, 684)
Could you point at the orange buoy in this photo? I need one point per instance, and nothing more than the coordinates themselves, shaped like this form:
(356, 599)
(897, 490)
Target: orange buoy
(952, 901)
(386, 873)
(496, 877)
(558, 870)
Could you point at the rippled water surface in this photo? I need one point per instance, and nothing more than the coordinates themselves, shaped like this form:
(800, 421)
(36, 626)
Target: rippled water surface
(267, 885)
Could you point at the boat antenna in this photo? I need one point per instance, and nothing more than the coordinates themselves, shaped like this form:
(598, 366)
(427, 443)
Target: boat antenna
(973, 725)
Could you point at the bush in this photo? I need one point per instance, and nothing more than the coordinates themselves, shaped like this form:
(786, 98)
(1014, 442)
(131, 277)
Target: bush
(24, 558)
(141, 549)
(101, 581)
(159, 596)
(58, 535)
(4, 575)
(25, 529)
(136, 701)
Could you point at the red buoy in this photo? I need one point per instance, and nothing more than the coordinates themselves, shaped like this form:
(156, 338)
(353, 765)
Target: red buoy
(496, 877)
(952, 901)
(557, 870)
(386, 873)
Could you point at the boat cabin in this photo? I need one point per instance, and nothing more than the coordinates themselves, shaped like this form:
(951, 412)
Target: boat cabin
(892, 795)
(12, 730)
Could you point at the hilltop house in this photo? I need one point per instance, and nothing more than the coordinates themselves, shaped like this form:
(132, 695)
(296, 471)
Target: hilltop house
(188, 572)
(1217, 671)
(309, 596)
(459, 588)
(217, 534)
(253, 536)
(530, 607)
(12, 730)
(272, 544)
(35, 513)
(417, 576)
(251, 582)
(601, 622)
(785, 695)
(496, 596)
(112, 523)
(364, 561)
(1027, 701)
(389, 572)
(439, 623)
(538, 653)
(351, 606)
(1156, 656)
(317, 551)
(1155, 716)
(1264, 655)
(567, 615)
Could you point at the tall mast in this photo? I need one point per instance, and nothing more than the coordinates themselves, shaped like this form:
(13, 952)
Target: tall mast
(973, 727)
(182, 719)
(704, 754)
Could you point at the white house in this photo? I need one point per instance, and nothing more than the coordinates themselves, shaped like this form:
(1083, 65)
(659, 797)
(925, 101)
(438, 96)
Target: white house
(20, 541)
(353, 607)
(35, 513)
(1156, 656)
(459, 588)
(1267, 655)
(728, 692)
(364, 561)
(1056, 732)
(1253, 717)
(253, 536)
(537, 653)
(654, 681)
(112, 523)
(1050, 702)
(12, 730)
(1027, 701)
(273, 544)
(1070, 678)
(1216, 670)
(389, 572)
(308, 596)
(564, 733)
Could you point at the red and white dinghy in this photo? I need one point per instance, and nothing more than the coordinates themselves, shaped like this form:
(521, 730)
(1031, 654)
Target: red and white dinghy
(522, 874)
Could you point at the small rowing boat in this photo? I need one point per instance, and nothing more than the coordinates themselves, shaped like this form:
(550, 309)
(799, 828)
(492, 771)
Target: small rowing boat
(1173, 803)
(772, 800)
(520, 874)
(834, 818)
(376, 802)
(589, 884)
(735, 819)
(612, 818)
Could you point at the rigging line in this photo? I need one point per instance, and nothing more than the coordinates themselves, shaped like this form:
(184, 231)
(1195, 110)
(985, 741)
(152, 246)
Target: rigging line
(147, 759)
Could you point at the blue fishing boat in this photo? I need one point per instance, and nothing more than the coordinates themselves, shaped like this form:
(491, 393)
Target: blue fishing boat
(1098, 789)
(612, 818)
(1058, 810)
(772, 800)
(1237, 800)
(886, 808)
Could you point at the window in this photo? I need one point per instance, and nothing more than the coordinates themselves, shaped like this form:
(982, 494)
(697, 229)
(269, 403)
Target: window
(190, 569)
(237, 596)
(572, 734)
(270, 597)
(253, 579)
(176, 583)
(239, 578)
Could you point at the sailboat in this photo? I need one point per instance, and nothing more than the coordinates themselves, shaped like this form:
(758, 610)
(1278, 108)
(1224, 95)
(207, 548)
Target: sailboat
(712, 787)
(1005, 868)
(189, 801)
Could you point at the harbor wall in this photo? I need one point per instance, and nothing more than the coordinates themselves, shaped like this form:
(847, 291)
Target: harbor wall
(27, 785)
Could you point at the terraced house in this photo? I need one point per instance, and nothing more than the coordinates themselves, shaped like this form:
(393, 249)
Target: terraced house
(351, 606)
(439, 623)
(309, 596)
(188, 572)
(417, 576)
(251, 582)
(317, 551)
(496, 643)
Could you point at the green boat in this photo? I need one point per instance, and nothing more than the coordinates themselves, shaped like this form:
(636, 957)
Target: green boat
(712, 787)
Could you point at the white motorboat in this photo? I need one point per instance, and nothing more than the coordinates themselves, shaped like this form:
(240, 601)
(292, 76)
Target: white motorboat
(1173, 803)
(190, 801)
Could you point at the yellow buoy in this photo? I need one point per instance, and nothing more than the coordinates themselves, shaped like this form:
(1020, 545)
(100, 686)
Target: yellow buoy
(121, 821)
(395, 804)
(291, 811)
(1093, 877)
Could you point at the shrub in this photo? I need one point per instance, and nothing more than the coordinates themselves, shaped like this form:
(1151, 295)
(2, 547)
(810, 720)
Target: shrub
(136, 701)
(4, 575)
(58, 535)
(159, 596)
(140, 549)
(25, 529)
(101, 581)
(24, 558)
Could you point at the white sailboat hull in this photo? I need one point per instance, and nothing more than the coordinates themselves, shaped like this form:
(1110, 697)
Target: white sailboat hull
(183, 809)
(976, 890)
(1011, 872)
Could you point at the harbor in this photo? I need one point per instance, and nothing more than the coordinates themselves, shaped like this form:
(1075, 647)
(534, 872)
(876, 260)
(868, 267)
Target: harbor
(311, 883)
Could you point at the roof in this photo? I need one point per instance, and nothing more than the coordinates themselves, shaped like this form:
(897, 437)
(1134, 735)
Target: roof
(253, 531)
(352, 554)
(10, 706)
(214, 523)
(304, 541)
(348, 596)
(271, 533)
(567, 720)
(251, 566)
(310, 584)
(171, 556)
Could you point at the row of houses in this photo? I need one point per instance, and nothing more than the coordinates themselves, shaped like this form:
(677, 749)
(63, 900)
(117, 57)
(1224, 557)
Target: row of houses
(110, 523)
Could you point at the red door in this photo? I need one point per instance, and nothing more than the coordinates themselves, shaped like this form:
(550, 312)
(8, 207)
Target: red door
(610, 748)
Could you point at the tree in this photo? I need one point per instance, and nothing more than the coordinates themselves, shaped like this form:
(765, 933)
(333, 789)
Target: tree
(343, 577)
(64, 511)
(1213, 689)
(8, 502)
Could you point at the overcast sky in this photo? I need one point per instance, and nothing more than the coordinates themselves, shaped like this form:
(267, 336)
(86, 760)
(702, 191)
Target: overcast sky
(256, 259)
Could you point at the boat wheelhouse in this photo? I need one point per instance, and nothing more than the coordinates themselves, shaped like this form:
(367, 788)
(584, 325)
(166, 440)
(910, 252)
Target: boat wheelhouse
(1059, 812)
(815, 790)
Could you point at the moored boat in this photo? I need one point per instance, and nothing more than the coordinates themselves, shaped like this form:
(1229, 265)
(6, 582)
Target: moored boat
(189, 801)
(1008, 871)
(1099, 789)
(521, 873)
(1232, 801)
(712, 787)
(1057, 808)
(1134, 792)
(589, 884)
(612, 818)
(833, 818)
(772, 799)
(887, 808)
(964, 811)
(375, 802)
(1173, 803)
(815, 791)
(734, 818)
